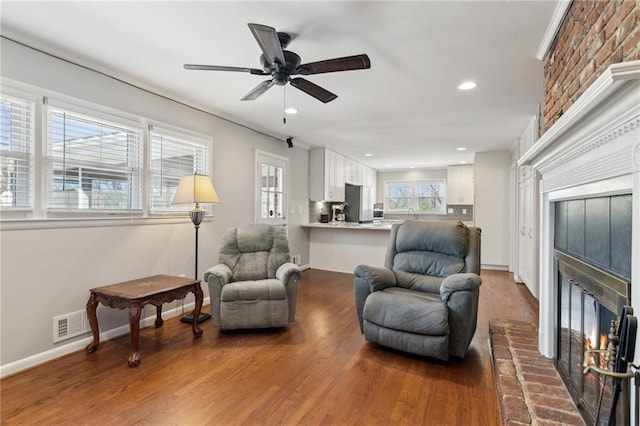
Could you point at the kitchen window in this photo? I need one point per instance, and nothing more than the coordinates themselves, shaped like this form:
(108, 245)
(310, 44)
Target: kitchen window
(417, 197)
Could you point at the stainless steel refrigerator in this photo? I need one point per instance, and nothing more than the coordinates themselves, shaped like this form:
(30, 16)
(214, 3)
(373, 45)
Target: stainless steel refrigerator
(359, 203)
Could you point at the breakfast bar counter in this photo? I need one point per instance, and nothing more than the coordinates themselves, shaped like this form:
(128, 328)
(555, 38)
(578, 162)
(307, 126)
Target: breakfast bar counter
(341, 246)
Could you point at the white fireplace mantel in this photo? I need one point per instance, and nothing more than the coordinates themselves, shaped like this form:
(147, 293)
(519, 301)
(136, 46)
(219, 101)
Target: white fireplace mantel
(592, 150)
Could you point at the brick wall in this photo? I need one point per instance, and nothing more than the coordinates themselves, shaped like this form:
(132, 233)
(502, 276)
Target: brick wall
(594, 35)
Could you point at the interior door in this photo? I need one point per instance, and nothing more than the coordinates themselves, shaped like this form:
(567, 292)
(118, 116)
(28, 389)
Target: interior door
(271, 189)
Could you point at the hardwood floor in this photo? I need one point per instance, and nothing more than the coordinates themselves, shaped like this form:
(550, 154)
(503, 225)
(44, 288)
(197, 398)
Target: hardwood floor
(320, 371)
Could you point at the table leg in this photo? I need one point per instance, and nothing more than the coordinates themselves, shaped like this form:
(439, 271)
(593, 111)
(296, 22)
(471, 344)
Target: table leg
(134, 325)
(159, 320)
(92, 305)
(197, 291)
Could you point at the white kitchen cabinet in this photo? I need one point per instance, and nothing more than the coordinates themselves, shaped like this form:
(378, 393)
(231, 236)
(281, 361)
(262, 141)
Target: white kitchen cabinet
(326, 175)
(354, 172)
(460, 184)
(527, 228)
(370, 180)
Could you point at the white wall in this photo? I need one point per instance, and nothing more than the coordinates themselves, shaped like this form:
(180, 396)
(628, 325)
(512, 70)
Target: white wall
(48, 272)
(491, 209)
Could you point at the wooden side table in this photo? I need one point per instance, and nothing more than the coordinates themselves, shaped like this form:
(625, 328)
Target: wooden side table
(134, 295)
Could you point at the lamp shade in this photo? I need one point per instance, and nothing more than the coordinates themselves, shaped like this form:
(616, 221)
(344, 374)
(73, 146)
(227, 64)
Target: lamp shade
(195, 188)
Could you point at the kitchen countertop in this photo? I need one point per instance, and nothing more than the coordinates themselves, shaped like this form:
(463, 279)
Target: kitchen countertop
(377, 226)
(383, 226)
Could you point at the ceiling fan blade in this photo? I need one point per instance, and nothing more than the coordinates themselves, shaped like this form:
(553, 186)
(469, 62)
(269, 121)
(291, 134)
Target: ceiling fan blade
(348, 63)
(267, 38)
(258, 90)
(323, 95)
(221, 68)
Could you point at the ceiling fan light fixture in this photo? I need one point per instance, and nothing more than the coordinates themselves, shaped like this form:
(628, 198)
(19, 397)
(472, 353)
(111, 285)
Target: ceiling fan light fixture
(368, 155)
(462, 148)
(467, 85)
(291, 110)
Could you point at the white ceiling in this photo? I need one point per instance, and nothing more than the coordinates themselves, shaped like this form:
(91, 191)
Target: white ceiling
(405, 110)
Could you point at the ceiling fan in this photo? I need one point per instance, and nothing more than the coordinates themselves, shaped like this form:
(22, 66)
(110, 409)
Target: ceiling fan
(282, 64)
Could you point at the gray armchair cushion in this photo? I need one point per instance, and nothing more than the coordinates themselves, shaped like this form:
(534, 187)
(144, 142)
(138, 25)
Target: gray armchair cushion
(254, 252)
(440, 237)
(254, 290)
(406, 310)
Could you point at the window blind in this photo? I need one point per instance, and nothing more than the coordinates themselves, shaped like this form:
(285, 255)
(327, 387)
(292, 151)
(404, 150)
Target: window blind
(171, 158)
(92, 164)
(16, 152)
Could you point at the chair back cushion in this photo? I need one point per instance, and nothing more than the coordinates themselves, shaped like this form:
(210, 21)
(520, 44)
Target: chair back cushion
(436, 248)
(255, 251)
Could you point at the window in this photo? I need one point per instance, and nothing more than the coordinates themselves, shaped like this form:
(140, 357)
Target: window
(89, 161)
(428, 196)
(92, 164)
(171, 158)
(16, 152)
(271, 188)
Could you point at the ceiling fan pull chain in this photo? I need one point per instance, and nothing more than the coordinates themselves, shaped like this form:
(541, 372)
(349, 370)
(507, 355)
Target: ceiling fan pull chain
(284, 105)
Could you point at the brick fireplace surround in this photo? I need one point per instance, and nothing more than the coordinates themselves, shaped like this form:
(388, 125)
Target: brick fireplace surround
(593, 150)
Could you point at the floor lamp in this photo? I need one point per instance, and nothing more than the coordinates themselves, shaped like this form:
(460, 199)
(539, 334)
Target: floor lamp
(196, 189)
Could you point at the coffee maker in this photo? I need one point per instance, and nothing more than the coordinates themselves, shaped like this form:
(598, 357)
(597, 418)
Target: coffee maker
(338, 212)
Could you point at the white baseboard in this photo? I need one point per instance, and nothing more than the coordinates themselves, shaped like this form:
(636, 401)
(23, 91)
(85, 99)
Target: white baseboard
(305, 267)
(77, 345)
(495, 267)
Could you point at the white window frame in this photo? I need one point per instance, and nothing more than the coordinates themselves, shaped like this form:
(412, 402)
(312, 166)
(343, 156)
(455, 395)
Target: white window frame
(26, 209)
(263, 157)
(38, 216)
(201, 165)
(413, 203)
(136, 167)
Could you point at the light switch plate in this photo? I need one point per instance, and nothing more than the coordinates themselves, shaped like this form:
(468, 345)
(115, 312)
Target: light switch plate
(464, 211)
(449, 210)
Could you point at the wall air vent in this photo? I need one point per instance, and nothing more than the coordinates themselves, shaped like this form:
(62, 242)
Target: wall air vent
(70, 325)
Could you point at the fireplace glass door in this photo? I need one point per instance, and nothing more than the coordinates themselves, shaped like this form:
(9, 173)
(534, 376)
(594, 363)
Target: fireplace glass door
(585, 319)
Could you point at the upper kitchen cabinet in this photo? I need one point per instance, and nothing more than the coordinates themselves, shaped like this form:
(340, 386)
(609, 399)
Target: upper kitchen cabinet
(354, 172)
(460, 184)
(326, 175)
(370, 180)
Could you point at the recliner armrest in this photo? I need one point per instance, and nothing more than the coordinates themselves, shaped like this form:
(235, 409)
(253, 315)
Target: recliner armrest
(377, 277)
(221, 272)
(459, 282)
(284, 272)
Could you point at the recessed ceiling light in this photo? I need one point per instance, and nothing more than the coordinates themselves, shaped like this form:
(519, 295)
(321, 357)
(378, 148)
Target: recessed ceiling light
(291, 110)
(387, 165)
(368, 155)
(463, 162)
(467, 85)
(462, 148)
(412, 167)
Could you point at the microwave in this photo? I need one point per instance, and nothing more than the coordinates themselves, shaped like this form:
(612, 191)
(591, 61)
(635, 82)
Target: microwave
(378, 214)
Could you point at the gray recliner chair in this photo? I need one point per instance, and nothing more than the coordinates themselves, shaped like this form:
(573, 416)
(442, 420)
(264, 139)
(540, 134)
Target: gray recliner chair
(425, 299)
(254, 285)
